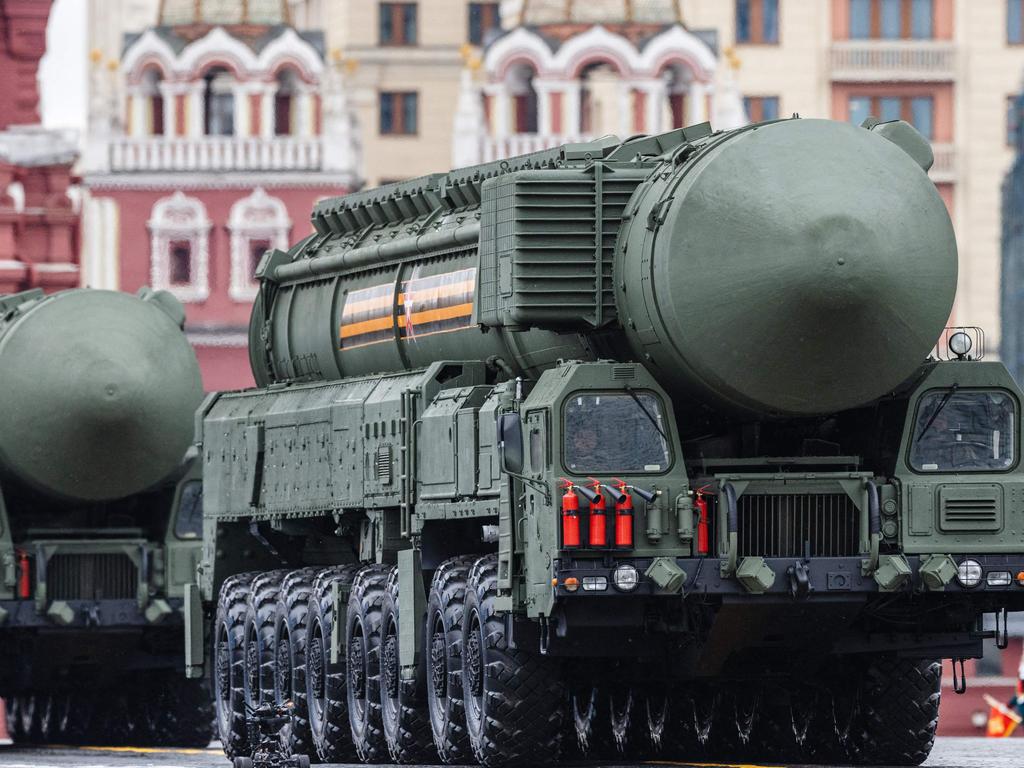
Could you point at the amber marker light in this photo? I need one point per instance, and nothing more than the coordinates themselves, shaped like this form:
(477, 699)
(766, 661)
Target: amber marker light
(1020, 578)
(571, 584)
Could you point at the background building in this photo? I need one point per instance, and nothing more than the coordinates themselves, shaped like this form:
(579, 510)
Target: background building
(210, 140)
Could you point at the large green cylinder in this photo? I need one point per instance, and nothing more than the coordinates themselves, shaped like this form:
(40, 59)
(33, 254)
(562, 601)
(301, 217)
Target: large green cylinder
(97, 393)
(802, 267)
(796, 267)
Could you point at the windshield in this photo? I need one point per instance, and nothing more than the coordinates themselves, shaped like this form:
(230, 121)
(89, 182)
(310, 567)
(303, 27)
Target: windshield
(964, 431)
(615, 433)
(189, 523)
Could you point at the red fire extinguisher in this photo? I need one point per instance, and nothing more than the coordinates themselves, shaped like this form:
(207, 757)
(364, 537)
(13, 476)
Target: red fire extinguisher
(623, 516)
(570, 517)
(702, 523)
(24, 575)
(598, 515)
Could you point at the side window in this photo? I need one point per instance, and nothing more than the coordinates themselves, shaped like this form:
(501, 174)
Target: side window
(536, 437)
(189, 522)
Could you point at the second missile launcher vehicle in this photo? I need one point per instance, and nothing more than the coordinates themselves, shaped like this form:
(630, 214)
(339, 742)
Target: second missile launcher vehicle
(100, 518)
(642, 445)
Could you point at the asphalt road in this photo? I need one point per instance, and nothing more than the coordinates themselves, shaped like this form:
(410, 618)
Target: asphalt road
(948, 753)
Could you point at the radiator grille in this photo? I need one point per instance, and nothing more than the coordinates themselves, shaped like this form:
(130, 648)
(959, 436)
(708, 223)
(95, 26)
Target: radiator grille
(91, 577)
(784, 525)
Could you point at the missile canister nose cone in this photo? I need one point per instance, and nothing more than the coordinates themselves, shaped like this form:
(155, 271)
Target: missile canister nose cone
(803, 267)
(97, 395)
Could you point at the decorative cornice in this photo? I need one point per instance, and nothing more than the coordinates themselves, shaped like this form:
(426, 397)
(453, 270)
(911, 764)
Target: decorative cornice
(212, 181)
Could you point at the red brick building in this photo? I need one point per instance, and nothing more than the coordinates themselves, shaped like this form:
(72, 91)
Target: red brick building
(38, 223)
(234, 125)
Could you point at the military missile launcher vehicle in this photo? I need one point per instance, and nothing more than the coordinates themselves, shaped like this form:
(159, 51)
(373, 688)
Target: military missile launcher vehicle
(100, 521)
(642, 446)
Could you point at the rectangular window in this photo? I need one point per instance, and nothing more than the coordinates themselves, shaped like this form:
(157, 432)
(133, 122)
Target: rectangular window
(757, 21)
(483, 19)
(892, 19)
(398, 24)
(761, 108)
(964, 431)
(398, 113)
(611, 432)
(180, 262)
(256, 250)
(919, 111)
(1014, 22)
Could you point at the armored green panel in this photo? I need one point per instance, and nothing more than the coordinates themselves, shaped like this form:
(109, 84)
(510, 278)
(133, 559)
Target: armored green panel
(972, 507)
(546, 246)
(97, 392)
(780, 269)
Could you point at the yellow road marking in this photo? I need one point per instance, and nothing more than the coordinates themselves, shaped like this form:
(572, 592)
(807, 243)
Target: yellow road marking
(154, 750)
(707, 765)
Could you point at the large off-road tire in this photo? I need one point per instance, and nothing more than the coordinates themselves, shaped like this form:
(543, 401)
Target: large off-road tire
(443, 651)
(228, 665)
(326, 695)
(403, 702)
(260, 642)
(655, 714)
(362, 638)
(589, 724)
(900, 705)
(290, 623)
(693, 718)
(514, 698)
(798, 725)
(12, 712)
(174, 712)
(739, 727)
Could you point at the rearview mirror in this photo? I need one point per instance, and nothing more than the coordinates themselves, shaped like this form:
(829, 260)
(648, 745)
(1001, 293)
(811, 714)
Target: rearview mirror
(510, 443)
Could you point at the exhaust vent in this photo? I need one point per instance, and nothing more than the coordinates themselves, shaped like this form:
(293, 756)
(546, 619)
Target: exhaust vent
(970, 508)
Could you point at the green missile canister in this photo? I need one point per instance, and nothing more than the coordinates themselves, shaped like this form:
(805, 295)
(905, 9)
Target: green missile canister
(97, 391)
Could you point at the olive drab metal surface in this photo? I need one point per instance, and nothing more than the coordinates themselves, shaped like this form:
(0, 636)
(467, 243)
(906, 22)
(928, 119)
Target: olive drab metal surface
(97, 390)
(659, 428)
(100, 518)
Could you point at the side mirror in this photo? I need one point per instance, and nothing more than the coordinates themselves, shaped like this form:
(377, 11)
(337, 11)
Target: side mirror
(510, 443)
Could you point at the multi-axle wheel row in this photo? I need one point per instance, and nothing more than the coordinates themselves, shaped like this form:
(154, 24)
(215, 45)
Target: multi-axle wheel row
(156, 709)
(477, 698)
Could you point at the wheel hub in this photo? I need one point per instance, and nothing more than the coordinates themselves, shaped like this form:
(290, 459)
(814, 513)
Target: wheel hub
(438, 665)
(474, 664)
(356, 668)
(389, 667)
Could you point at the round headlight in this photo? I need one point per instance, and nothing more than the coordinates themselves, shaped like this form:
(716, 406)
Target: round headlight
(960, 343)
(968, 573)
(625, 578)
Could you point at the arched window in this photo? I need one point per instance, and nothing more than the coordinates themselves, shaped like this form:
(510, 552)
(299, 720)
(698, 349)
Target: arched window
(599, 100)
(677, 79)
(219, 107)
(257, 223)
(180, 254)
(150, 90)
(524, 98)
(284, 103)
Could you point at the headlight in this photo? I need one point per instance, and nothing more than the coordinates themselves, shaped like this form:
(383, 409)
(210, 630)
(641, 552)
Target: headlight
(960, 343)
(625, 578)
(968, 573)
(998, 578)
(595, 583)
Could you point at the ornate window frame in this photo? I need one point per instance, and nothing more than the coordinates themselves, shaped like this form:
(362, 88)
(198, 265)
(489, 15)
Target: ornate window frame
(173, 219)
(257, 216)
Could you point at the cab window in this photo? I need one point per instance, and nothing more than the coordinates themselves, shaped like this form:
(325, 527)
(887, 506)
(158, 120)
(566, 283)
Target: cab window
(964, 431)
(189, 522)
(615, 433)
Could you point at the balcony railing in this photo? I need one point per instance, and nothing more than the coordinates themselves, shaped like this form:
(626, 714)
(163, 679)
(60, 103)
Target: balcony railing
(944, 167)
(500, 147)
(216, 153)
(892, 60)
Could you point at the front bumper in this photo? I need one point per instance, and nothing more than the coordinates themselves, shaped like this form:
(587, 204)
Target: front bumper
(87, 614)
(814, 578)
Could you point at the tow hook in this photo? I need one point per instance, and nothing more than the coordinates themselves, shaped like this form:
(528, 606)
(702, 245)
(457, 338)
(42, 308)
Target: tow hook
(799, 580)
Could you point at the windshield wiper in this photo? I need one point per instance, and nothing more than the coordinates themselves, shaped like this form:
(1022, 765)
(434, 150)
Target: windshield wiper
(935, 414)
(657, 426)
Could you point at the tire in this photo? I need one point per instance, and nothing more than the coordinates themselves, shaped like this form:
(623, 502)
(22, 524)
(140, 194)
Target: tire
(179, 712)
(241, 762)
(326, 696)
(290, 622)
(738, 730)
(900, 705)
(260, 645)
(362, 647)
(514, 699)
(798, 725)
(12, 711)
(589, 724)
(443, 651)
(404, 713)
(228, 665)
(655, 710)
